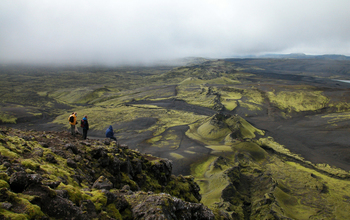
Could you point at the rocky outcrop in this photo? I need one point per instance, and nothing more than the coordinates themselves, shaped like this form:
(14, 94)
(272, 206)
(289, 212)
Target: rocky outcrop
(163, 206)
(56, 176)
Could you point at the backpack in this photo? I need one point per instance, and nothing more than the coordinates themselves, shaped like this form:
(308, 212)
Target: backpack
(71, 119)
(82, 123)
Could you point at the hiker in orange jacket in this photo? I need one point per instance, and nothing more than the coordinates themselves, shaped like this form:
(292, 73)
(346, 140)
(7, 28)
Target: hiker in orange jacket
(72, 121)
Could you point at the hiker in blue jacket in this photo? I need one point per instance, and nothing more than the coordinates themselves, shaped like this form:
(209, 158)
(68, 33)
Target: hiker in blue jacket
(110, 133)
(85, 125)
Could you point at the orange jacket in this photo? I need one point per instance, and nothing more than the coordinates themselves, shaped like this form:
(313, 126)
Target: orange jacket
(75, 119)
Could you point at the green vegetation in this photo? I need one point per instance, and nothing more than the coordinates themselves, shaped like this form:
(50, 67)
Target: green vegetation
(7, 118)
(299, 100)
(233, 162)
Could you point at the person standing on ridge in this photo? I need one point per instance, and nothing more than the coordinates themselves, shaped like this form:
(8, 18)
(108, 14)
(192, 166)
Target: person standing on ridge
(72, 121)
(110, 133)
(85, 126)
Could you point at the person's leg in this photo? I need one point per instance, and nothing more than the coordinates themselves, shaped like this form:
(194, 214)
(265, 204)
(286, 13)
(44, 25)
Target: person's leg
(72, 129)
(114, 138)
(84, 134)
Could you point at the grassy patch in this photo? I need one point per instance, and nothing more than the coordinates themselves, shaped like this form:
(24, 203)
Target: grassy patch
(176, 156)
(298, 100)
(211, 181)
(7, 118)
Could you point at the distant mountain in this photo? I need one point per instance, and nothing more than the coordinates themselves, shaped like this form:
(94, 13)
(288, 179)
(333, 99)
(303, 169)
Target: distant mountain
(302, 56)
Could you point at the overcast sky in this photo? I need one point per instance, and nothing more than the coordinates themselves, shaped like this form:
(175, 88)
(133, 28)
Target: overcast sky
(141, 31)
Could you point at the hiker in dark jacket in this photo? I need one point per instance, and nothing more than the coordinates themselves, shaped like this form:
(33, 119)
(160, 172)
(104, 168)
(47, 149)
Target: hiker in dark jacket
(85, 126)
(110, 133)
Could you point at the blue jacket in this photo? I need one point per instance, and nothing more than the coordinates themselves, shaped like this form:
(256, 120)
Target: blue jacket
(86, 124)
(109, 132)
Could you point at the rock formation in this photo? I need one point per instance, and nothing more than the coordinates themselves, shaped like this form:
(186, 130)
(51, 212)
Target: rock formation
(50, 175)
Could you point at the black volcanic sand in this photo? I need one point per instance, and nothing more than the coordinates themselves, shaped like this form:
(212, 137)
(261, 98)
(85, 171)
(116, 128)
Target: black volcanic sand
(311, 137)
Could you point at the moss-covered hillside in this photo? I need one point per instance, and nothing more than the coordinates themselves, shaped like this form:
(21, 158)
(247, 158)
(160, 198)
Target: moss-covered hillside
(248, 176)
(51, 175)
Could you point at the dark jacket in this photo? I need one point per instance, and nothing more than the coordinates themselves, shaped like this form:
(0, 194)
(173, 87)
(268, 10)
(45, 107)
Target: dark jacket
(86, 124)
(109, 132)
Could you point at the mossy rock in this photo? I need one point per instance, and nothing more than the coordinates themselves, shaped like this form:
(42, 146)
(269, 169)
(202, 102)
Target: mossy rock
(4, 184)
(29, 163)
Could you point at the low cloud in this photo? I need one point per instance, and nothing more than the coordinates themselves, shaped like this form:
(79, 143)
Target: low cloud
(134, 31)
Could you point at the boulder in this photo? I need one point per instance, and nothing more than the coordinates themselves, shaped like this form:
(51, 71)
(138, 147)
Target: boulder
(71, 163)
(50, 158)
(102, 183)
(44, 145)
(164, 206)
(71, 147)
(53, 205)
(88, 207)
(19, 181)
(38, 152)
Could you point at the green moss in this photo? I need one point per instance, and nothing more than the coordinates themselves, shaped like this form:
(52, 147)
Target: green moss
(198, 169)
(340, 106)
(270, 143)
(249, 106)
(11, 215)
(30, 164)
(75, 194)
(8, 153)
(285, 199)
(211, 179)
(180, 189)
(229, 104)
(127, 214)
(31, 211)
(25, 209)
(335, 118)
(112, 211)
(154, 139)
(100, 117)
(54, 171)
(254, 150)
(254, 96)
(4, 176)
(212, 132)
(4, 184)
(298, 101)
(220, 149)
(150, 184)
(126, 179)
(176, 156)
(7, 118)
(196, 96)
(191, 81)
(99, 199)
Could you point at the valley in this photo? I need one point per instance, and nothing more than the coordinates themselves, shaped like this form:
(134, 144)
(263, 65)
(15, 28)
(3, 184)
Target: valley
(231, 124)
